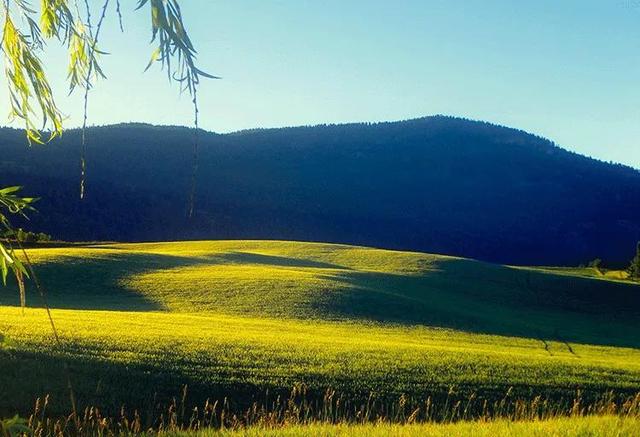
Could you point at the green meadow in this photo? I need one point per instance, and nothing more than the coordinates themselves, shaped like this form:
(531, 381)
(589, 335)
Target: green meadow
(249, 320)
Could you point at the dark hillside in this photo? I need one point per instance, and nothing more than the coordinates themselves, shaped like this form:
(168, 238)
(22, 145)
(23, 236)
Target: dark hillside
(435, 184)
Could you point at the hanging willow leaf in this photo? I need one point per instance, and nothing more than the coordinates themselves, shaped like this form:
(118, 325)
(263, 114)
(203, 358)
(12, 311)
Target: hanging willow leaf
(168, 30)
(9, 262)
(29, 88)
(14, 203)
(56, 19)
(4, 268)
(27, 82)
(173, 43)
(84, 54)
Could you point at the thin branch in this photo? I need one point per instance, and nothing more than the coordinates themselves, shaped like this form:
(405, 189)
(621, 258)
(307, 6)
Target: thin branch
(194, 174)
(87, 87)
(15, 204)
(119, 12)
(56, 336)
(173, 43)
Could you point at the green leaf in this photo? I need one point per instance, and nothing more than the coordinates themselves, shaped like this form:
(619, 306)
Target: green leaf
(5, 254)
(4, 270)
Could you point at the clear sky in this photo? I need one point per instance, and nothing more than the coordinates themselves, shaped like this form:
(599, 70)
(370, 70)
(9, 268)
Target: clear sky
(565, 69)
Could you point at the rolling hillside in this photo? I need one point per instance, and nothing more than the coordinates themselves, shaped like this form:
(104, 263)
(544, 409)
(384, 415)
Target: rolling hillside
(237, 318)
(436, 184)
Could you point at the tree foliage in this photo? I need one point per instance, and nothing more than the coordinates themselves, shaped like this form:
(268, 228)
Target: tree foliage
(9, 262)
(26, 31)
(66, 22)
(634, 266)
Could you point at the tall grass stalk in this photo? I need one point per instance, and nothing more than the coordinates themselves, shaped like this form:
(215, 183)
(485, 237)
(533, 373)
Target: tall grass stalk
(299, 408)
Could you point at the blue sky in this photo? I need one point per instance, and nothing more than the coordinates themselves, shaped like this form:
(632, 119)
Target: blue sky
(568, 70)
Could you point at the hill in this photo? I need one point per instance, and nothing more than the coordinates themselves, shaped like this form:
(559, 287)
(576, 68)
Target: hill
(236, 318)
(436, 184)
(337, 282)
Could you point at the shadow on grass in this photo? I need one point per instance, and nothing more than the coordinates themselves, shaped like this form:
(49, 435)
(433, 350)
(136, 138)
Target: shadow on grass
(28, 375)
(95, 283)
(150, 388)
(492, 299)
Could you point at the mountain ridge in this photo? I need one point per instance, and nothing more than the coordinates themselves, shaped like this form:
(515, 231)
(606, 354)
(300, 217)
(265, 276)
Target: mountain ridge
(248, 131)
(434, 184)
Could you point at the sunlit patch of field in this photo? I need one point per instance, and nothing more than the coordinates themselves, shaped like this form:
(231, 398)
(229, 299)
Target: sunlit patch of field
(240, 318)
(588, 272)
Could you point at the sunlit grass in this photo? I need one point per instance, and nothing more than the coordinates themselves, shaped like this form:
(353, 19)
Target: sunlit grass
(559, 427)
(222, 350)
(588, 272)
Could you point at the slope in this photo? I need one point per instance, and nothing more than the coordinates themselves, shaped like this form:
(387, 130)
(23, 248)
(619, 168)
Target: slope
(238, 318)
(337, 282)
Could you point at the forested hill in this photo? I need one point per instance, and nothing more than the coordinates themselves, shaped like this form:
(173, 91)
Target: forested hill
(435, 184)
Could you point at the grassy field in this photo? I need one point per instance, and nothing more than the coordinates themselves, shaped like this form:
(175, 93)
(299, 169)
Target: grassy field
(249, 320)
(559, 427)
